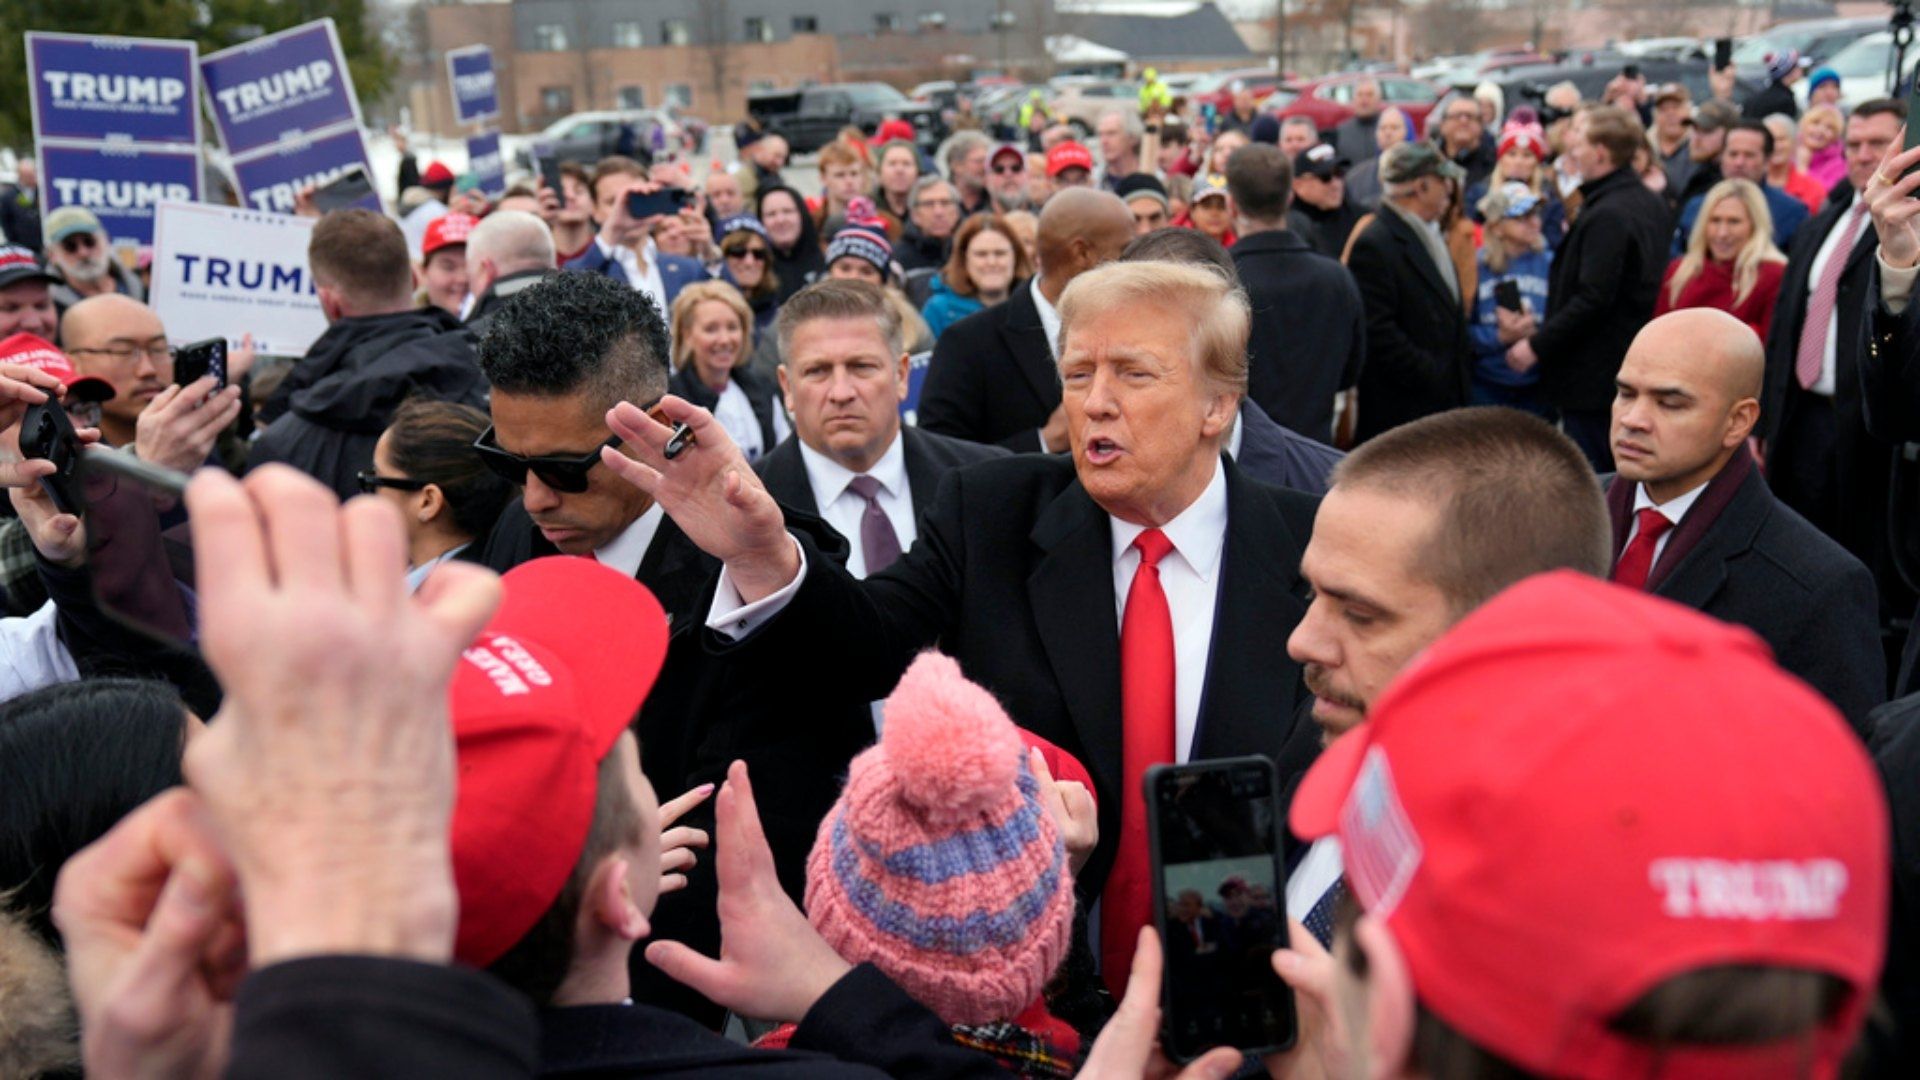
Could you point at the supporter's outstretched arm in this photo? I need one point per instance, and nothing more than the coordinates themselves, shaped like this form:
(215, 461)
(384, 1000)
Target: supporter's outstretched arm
(1890, 356)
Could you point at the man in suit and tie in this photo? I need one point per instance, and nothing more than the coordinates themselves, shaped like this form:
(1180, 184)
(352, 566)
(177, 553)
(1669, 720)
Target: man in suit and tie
(992, 376)
(1113, 598)
(1694, 522)
(843, 372)
(1419, 358)
(1424, 524)
(624, 249)
(1820, 457)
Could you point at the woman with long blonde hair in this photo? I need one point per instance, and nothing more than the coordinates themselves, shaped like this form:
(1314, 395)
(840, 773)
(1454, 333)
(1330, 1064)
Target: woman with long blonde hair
(1731, 262)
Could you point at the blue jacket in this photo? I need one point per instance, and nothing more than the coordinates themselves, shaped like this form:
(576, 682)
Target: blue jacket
(1489, 356)
(676, 271)
(944, 307)
(1788, 213)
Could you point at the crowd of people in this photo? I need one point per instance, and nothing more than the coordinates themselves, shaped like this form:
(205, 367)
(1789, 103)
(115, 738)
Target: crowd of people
(732, 640)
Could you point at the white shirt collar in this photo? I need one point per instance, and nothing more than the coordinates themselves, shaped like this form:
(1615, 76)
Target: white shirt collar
(829, 478)
(625, 552)
(1199, 533)
(1049, 317)
(1673, 509)
(1235, 432)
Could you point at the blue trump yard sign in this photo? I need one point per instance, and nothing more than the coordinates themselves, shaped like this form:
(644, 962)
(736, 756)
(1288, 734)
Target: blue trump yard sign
(476, 96)
(279, 86)
(114, 89)
(271, 178)
(121, 184)
(485, 163)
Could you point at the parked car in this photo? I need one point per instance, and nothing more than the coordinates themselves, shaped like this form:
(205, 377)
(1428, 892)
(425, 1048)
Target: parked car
(586, 137)
(812, 117)
(1817, 39)
(1216, 88)
(1079, 104)
(1591, 72)
(1329, 101)
(1862, 67)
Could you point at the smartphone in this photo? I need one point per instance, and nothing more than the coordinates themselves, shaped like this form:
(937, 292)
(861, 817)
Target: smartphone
(667, 200)
(47, 434)
(1631, 71)
(200, 359)
(1213, 829)
(345, 190)
(1722, 53)
(1507, 295)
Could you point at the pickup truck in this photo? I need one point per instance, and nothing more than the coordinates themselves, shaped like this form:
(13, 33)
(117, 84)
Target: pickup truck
(812, 117)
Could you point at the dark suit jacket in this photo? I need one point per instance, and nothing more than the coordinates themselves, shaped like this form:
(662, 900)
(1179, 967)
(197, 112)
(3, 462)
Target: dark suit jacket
(1309, 333)
(1893, 1036)
(1419, 357)
(929, 458)
(673, 568)
(1013, 576)
(992, 378)
(676, 271)
(1744, 557)
(1274, 455)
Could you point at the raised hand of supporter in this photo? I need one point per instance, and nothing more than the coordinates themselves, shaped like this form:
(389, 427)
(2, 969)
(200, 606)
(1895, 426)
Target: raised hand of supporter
(179, 426)
(20, 387)
(328, 772)
(1513, 325)
(1890, 199)
(59, 537)
(240, 359)
(710, 492)
(151, 921)
(677, 842)
(1720, 82)
(772, 964)
(1071, 805)
(1322, 1050)
(622, 228)
(550, 200)
(303, 204)
(1129, 1046)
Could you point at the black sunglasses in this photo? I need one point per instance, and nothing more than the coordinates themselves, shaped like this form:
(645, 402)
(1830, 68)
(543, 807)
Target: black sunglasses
(371, 482)
(756, 254)
(1008, 170)
(558, 471)
(77, 243)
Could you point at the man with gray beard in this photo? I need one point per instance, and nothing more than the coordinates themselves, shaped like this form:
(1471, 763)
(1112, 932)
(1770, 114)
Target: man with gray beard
(81, 256)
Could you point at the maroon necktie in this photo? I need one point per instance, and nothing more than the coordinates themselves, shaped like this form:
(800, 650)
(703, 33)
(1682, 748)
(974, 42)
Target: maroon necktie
(1637, 561)
(879, 544)
(1146, 718)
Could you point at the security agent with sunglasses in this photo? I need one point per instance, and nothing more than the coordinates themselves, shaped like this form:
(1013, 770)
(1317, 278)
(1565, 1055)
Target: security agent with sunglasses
(79, 252)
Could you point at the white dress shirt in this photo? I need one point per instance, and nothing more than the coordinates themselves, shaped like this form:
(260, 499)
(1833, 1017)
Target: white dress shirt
(643, 269)
(1674, 510)
(626, 551)
(1234, 435)
(1050, 325)
(1190, 577)
(1318, 869)
(1896, 284)
(841, 508)
(1829, 249)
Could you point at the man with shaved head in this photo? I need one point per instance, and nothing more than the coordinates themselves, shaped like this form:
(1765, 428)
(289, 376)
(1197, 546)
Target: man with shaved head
(992, 376)
(508, 251)
(1694, 521)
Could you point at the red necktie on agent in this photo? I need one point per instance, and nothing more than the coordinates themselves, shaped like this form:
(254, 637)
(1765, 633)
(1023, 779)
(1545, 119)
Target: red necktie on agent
(1812, 357)
(1146, 717)
(1637, 561)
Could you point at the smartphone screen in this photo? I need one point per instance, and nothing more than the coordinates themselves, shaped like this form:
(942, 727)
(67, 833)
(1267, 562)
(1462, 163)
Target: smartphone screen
(1722, 53)
(202, 358)
(1913, 125)
(343, 191)
(1214, 831)
(667, 200)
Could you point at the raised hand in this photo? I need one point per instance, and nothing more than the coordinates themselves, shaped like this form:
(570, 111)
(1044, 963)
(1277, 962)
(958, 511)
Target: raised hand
(179, 426)
(677, 843)
(1890, 200)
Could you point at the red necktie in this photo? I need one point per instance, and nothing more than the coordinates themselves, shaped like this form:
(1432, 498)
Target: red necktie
(1146, 717)
(1637, 561)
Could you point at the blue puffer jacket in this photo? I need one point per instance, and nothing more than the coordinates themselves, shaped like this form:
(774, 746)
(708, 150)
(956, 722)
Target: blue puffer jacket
(944, 307)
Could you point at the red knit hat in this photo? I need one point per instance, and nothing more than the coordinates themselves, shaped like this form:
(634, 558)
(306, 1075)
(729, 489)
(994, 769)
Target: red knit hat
(1531, 136)
(1581, 792)
(538, 699)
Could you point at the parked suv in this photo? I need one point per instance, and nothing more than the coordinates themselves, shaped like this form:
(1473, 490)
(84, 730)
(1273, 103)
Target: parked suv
(812, 117)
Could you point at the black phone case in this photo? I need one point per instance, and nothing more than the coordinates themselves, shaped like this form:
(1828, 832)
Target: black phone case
(1151, 783)
(196, 360)
(1506, 291)
(345, 190)
(47, 434)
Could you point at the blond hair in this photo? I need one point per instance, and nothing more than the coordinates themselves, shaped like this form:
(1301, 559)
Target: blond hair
(691, 298)
(1217, 310)
(1757, 250)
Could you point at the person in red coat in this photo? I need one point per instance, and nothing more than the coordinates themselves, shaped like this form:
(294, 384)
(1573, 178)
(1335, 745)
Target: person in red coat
(1731, 262)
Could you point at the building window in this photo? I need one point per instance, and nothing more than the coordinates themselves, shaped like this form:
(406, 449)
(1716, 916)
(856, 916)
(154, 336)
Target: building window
(806, 24)
(759, 29)
(627, 35)
(550, 37)
(885, 22)
(675, 32)
(679, 95)
(556, 100)
(633, 97)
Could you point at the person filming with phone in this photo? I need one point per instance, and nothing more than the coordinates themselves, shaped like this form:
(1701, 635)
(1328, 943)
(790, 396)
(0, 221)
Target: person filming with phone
(624, 249)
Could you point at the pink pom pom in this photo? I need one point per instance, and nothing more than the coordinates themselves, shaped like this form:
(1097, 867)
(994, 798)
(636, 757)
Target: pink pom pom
(950, 746)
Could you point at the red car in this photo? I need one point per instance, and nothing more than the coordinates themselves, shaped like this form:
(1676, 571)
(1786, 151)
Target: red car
(1329, 100)
(1217, 87)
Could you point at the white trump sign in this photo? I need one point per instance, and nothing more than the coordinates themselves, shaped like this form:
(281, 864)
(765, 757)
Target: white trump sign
(221, 271)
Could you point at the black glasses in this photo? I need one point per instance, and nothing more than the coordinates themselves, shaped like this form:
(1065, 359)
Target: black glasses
(558, 471)
(756, 254)
(1008, 170)
(77, 243)
(371, 482)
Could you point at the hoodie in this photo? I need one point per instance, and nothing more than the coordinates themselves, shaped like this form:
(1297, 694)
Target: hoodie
(352, 343)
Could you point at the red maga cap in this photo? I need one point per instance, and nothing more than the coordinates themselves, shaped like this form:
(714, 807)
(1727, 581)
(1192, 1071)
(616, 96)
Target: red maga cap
(1068, 155)
(537, 701)
(34, 351)
(436, 175)
(446, 230)
(1582, 791)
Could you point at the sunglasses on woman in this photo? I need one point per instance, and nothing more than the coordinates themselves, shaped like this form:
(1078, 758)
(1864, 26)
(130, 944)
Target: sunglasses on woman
(757, 254)
(561, 472)
(372, 482)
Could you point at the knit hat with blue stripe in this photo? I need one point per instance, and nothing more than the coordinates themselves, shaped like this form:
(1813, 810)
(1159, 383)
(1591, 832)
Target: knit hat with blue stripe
(939, 865)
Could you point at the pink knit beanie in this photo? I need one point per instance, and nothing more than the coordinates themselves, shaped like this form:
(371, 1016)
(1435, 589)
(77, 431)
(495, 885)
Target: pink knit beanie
(939, 864)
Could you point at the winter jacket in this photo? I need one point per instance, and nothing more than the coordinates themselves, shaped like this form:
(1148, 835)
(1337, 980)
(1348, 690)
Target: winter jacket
(946, 307)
